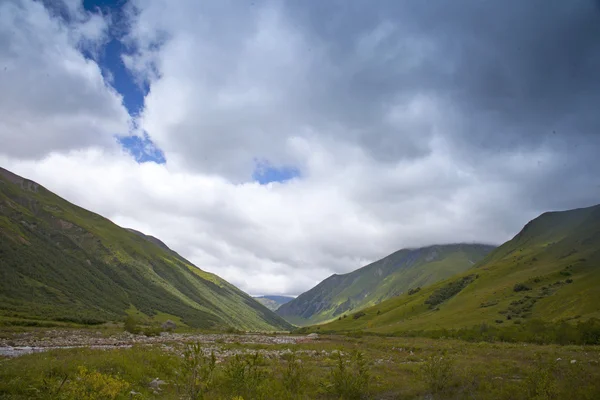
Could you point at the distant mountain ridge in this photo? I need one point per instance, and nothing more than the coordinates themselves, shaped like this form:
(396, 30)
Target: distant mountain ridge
(391, 276)
(273, 302)
(549, 272)
(60, 262)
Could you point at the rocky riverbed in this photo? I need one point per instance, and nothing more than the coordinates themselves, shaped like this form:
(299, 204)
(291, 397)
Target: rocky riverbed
(36, 341)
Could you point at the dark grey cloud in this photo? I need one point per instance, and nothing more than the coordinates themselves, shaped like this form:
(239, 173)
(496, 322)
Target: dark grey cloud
(412, 122)
(516, 72)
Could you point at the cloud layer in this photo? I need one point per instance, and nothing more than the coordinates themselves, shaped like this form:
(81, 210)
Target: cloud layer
(409, 125)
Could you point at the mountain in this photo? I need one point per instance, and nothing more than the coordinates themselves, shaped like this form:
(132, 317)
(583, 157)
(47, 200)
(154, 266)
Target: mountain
(273, 302)
(391, 276)
(60, 262)
(550, 271)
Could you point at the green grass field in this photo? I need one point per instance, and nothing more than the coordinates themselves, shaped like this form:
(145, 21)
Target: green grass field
(62, 264)
(332, 367)
(381, 280)
(549, 272)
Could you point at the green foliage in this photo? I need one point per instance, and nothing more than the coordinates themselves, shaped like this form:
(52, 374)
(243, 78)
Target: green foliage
(414, 368)
(534, 259)
(349, 379)
(61, 263)
(244, 376)
(93, 385)
(413, 291)
(448, 291)
(196, 372)
(541, 383)
(152, 331)
(358, 315)
(520, 287)
(534, 331)
(438, 372)
(294, 374)
(404, 271)
(131, 325)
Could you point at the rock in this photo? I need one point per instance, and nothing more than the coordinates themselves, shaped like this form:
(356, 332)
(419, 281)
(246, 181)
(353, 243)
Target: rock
(313, 336)
(155, 384)
(169, 325)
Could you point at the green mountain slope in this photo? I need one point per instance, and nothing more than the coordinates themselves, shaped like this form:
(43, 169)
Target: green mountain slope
(273, 302)
(550, 271)
(61, 262)
(381, 280)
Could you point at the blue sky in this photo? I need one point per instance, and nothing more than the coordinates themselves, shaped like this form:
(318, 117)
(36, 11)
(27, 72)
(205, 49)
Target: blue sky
(133, 92)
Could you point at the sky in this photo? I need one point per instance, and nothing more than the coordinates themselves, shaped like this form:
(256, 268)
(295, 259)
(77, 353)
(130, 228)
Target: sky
(275, 143)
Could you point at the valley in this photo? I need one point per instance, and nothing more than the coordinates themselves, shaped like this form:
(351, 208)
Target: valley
(92, 310)
(217, 366)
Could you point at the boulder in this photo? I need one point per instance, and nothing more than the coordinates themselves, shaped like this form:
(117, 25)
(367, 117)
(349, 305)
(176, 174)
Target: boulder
(169, 325)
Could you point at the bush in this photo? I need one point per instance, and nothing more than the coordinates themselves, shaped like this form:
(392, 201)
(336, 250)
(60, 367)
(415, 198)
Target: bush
(131, 325)
(520, 287)
(244, 377)
(438, 372)
(413, 291)
(541, 382)
(92, 385)
(349, 379)
(196, 372)
(358, 315)
(444, 293)
(152, 331)
(294, 375)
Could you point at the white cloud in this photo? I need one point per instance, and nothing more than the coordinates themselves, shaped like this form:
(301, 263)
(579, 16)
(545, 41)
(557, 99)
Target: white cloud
(52, 98)
(396, 147)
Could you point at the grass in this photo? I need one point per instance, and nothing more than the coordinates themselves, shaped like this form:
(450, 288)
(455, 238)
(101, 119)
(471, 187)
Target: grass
(549, 272)
(381, 280)
(62, 264)
(332, 367)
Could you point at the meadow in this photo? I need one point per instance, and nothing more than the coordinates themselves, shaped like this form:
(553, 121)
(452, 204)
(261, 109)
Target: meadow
(327, 367)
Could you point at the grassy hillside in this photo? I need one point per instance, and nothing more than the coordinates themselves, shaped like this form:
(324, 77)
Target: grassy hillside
(63, 263)
(389, 277)
(273, 302)
(550, 272)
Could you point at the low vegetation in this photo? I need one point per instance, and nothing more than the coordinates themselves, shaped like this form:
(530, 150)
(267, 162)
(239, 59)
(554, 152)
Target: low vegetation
(63, 265)
(332, 367)
(448, 291)
(401, 272)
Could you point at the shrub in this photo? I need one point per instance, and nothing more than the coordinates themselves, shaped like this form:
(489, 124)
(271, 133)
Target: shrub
(413, 291)
(294, 374)
(520, 287)
(131, 325)
(349, 379)
(444, 293)
(541, 382)
(438, 372)
(92, 385)
(152, 331)
(196, 372)
(244, 377)
(358, 315)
